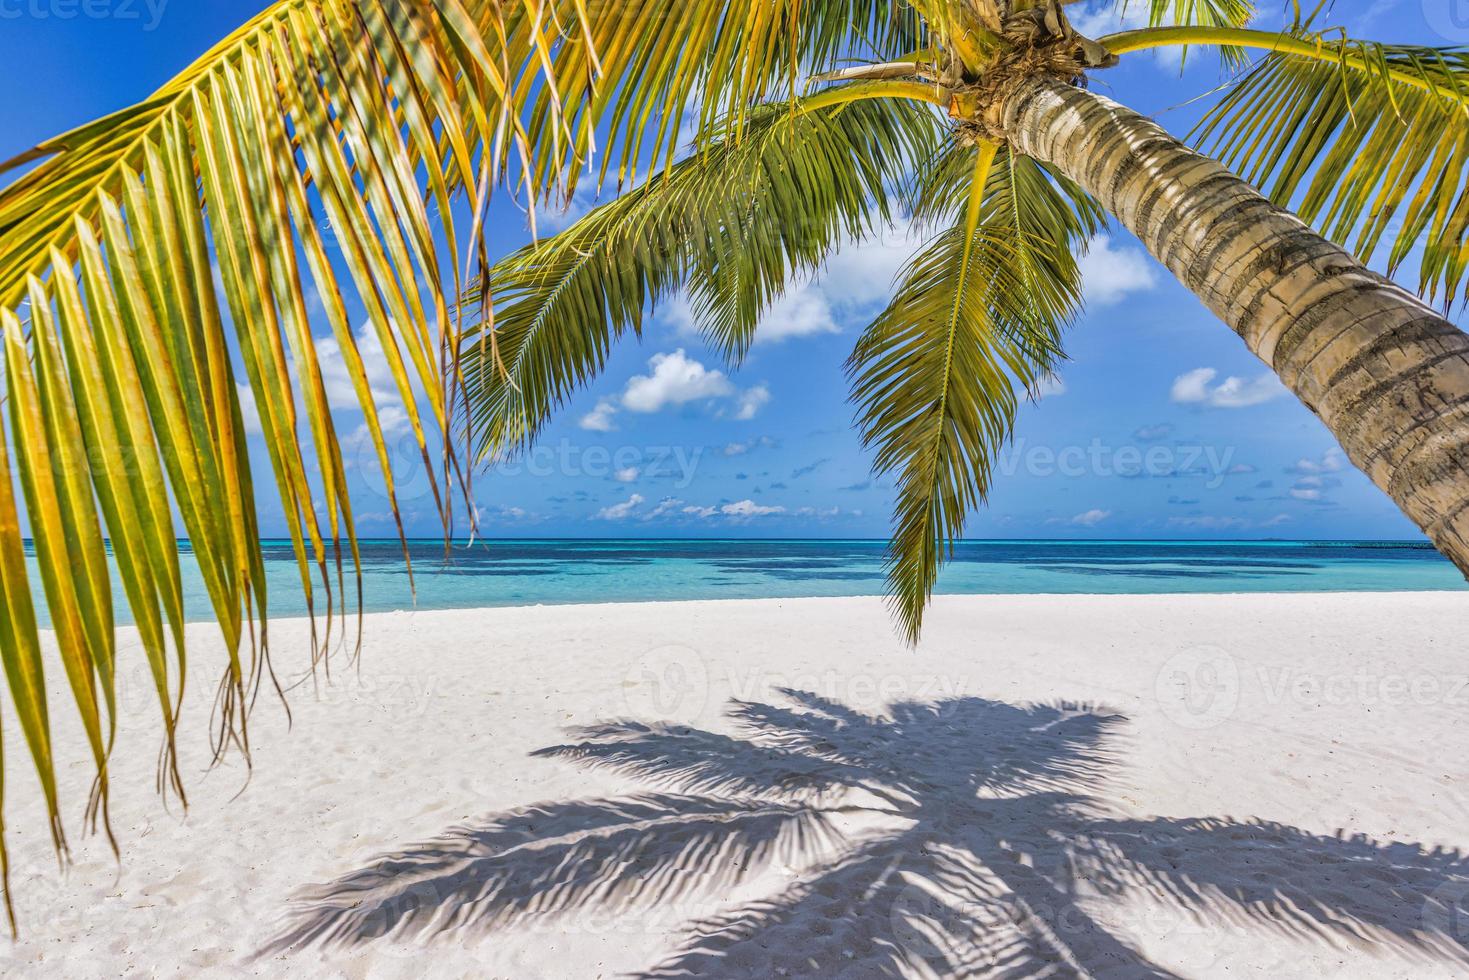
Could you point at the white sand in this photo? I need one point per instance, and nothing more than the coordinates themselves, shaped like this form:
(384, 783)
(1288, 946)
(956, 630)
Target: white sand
(1240, 786)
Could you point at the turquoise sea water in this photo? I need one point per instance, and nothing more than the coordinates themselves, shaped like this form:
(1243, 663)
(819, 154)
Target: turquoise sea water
(519, 572)
(529, 572)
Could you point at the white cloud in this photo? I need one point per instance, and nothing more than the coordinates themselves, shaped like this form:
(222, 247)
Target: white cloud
(1375, 12)
(1099, 18)
(1332, 461)
(1305, 493)
(337, 380)
(693, 511)
(750, 401)
(741, 448)
(1209, 523)
(599, 419)
(619, 512)
(1091, 518)
(800, 312)
(675, 380)
(503, 514)
(342, 395)
(1194, 388)
(672, 380)
(1095, 19)
(627, 475)
(1051, 386)
(748, 508)
(666, 506)
(249, 411)
(555, 215)
(1110, 273)
(862, 275)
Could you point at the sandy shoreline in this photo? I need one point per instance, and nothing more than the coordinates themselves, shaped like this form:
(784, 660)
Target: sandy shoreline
(1244, 785)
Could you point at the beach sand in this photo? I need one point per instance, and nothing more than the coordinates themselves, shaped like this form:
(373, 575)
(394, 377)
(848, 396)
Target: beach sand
(1213, 786)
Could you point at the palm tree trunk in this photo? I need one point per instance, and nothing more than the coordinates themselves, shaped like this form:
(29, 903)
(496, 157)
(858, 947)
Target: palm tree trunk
(1388, 375)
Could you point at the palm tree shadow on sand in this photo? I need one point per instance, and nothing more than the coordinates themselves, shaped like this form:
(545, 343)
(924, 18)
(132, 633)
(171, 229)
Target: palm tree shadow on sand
(964, 837)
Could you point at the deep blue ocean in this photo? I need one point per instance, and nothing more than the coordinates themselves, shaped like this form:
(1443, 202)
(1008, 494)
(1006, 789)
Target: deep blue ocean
(519, 572)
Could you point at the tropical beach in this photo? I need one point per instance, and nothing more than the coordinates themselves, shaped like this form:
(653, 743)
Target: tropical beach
(1200, 786)
(921, 489)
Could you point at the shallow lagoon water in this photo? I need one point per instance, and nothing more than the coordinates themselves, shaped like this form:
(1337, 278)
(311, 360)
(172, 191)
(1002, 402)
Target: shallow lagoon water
(516, 572)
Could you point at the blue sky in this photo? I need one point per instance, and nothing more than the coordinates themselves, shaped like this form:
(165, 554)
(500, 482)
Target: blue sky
(1161, 426)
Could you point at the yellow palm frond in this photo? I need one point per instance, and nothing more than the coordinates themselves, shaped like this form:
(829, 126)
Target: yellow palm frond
(146, 255)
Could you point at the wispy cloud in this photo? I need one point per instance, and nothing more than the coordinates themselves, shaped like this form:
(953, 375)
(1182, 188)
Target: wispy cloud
(750, 445)
(600, 419)
(750, 401)
(1331, 461)
(748, 508)
(620, 512)
(1197, 387)
(809, 468)
(1051, 386)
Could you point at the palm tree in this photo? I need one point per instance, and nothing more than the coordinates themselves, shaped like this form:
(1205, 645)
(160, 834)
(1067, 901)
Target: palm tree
(956, 838)
(160, 261)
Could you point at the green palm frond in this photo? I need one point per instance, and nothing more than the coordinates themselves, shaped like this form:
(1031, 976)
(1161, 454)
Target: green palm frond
(642, 72)
(144, 256)
(1368, 142)
(1044, 211)
(976, 323)
(1195, 13)
(736, 220)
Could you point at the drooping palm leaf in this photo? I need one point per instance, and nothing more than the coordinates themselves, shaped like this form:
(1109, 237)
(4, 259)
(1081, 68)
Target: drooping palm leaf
(145, 255)
(975, 324)
(735, 221)
(1044, 216)
(1369, 142)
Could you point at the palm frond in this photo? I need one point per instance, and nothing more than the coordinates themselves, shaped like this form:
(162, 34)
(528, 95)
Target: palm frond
(1201, 13)
(1206, 14)
(1368, 142)
(144, 256)
(640, 74)
(938, 377)
(735, 220)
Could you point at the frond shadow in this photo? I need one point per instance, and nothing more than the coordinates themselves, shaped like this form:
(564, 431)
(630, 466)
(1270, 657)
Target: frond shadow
(963, 837)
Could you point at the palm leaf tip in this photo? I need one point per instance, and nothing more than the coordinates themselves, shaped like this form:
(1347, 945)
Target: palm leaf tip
(975, 324)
